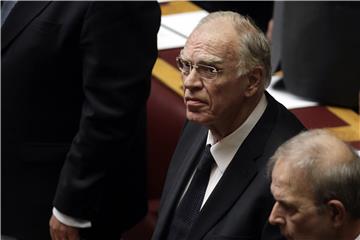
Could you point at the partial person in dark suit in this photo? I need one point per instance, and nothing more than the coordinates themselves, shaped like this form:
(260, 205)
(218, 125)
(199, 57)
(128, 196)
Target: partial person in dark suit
(225, 67)
(316, 44)
(316, 185)
(75, 81)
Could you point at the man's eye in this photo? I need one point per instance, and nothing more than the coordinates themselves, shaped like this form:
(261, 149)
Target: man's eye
(289, 208)
(213, 70)
(187, 64)
(208, 69)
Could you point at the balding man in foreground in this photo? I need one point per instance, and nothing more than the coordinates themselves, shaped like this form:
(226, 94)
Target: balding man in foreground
(316, 185)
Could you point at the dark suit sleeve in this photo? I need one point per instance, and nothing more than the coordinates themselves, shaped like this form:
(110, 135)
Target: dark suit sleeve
(104, 172)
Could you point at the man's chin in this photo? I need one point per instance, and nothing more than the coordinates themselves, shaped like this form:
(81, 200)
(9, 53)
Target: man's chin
(197, 118)
(287, 236)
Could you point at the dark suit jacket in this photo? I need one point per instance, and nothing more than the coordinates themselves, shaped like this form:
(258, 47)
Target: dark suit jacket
(241, 202)
(75, 80)
(317, 44)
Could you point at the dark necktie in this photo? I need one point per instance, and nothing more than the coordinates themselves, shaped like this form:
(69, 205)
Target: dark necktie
(189, 207)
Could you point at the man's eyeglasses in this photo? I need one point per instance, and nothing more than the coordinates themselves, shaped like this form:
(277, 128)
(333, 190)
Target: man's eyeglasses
(205, 71)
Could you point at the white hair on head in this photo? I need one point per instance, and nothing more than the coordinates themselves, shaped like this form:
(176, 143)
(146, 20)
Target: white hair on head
(254, 48)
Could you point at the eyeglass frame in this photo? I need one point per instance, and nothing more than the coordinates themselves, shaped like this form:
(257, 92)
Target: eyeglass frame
(196, 66)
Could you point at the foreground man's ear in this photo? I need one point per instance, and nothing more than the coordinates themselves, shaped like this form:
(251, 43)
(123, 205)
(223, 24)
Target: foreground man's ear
(254, 78)
(337, 212)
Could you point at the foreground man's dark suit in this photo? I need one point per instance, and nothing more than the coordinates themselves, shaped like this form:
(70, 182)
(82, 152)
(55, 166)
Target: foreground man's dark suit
(75, 80)
(240, 204)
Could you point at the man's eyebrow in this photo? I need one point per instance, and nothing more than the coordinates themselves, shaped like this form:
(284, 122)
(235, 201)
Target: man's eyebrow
(278, 197)
(286, 204)
(211, 61)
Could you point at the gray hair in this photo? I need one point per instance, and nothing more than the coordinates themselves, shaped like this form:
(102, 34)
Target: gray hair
(254, 48)
(331, 167)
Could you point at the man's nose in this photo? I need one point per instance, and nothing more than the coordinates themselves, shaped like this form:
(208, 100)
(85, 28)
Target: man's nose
(276, 218)
(192, 80)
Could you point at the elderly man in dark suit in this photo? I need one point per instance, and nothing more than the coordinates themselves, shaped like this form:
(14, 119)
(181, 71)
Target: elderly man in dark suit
(225, 67)
(75, 80)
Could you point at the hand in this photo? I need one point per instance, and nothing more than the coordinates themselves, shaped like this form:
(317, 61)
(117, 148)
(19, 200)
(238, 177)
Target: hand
(60, 231)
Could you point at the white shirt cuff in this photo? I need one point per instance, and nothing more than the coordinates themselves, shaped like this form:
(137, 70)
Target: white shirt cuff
(70, 221)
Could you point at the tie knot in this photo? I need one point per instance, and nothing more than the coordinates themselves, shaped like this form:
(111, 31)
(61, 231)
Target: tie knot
(206, 159)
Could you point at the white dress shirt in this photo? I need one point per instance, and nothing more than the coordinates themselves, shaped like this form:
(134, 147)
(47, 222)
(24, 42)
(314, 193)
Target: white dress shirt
(70, 221)
(358, 238)
(224, 150)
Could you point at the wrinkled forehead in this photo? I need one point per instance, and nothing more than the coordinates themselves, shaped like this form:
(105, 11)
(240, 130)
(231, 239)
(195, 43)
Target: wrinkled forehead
(287, 177)
(211, 41)
(283, 174)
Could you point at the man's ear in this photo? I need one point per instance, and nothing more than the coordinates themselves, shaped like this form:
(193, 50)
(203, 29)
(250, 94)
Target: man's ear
(337, 212)
(255, 78)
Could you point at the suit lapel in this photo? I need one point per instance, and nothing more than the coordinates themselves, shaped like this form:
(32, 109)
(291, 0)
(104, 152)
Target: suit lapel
(237, 176)
(19, 18)
(180, 179)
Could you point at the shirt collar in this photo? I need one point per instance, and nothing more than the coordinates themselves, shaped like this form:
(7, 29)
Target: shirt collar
(224, 150)
(358, 237)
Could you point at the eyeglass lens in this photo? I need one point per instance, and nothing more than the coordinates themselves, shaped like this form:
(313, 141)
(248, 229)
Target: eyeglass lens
(205, 71)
